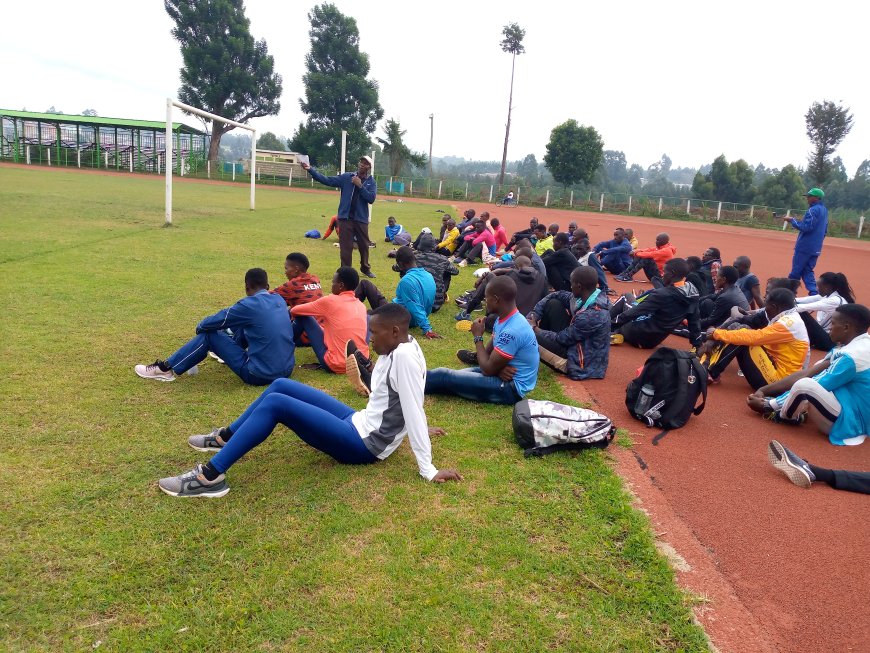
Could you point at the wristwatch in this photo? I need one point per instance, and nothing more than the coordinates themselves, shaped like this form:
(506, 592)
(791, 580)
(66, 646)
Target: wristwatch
(478, 339)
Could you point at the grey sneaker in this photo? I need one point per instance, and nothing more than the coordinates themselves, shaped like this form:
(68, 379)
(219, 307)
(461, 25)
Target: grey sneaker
(789, 463)
(194, 484)
(153, 371)
(208, 443)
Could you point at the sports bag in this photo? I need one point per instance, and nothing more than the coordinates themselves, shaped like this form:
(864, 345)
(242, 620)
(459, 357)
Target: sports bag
(544, 427)
(312, 233)
(666, 392)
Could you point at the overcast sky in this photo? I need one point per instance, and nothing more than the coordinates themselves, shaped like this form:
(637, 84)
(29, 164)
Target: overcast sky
(690, 79)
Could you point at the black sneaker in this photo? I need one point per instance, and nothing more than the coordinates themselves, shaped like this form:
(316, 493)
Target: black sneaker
(789, 463)
(467, 356)
(194, 484)
(358, 369)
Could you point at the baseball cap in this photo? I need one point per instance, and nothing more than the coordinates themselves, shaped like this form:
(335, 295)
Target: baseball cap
(367, 158)
(815, 192)
(426, 230)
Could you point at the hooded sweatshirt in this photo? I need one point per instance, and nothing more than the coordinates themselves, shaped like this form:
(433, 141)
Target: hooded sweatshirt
(438, 266)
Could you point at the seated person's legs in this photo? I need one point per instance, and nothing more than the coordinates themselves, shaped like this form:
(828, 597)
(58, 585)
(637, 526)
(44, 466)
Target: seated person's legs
(719, 357)
(632, 269)
(651, 270)
(470, 383)
(551, 352)
(366, 291)
(555, 317)
(821, 405)
(756, 365)
(819, 338)
(308, 325)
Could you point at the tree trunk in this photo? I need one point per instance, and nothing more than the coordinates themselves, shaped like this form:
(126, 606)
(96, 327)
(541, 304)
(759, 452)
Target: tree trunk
(217, 132)
(507, 130)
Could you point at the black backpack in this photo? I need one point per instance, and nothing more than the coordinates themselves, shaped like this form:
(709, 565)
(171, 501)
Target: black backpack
(667, 390)
(544, 427)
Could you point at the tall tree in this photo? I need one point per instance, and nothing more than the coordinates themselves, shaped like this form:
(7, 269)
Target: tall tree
(527, 170)
(225, 72)
(574, 153)
(396, 151)
(512, 43)
(338, 95)
(827, 125)
(268, 141)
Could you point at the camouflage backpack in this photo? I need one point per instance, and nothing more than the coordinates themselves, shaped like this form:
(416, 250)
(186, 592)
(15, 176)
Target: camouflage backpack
(544, 427)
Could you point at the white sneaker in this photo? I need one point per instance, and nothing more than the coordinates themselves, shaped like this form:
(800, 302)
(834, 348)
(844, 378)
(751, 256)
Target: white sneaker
(462, 263)
(153, 371)
(216, 357)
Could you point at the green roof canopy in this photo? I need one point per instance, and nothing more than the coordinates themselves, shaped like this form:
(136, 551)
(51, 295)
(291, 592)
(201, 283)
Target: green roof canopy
(99, 121)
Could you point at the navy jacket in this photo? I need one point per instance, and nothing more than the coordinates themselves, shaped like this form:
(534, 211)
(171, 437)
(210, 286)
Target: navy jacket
(587, 337)
(354, 202)
(812, 228)
(261, 320)
(622, 251)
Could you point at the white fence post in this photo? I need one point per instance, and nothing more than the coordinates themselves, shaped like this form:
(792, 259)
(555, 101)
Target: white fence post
(208, 169)
(27, 154)
(131, 160)
(234, 170)
(490, 193)
(752, 212)
(79, 158)
(860, 225)
(629, 203)
(688, 207)
(466, 190)
(660, 206)
(290, 178)
(517, 198)
(343, 149)
(571, 201)
(48, 156)
(601, 203)
(411, 191)
(107, 159)
(547, 198)
(158, 163)
(390, 190)
(441, 181)
(181, 171)
(787, 216)
(719, 212)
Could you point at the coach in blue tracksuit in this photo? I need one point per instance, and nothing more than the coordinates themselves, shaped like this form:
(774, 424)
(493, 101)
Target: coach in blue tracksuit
(812, 231)
(358, 192)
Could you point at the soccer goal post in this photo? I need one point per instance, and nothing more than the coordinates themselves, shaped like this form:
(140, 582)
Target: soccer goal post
(167, 163)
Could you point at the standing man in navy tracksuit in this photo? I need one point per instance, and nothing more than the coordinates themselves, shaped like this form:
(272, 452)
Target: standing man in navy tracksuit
(358, 192)
(812, 230)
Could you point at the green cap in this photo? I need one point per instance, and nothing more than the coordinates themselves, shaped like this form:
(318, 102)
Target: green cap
(816, 192)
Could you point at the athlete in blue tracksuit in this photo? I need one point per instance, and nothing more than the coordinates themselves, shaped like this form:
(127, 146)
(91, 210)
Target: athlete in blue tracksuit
(812, 231)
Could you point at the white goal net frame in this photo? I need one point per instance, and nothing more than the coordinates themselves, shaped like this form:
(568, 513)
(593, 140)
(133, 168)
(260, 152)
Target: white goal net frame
(170, 105)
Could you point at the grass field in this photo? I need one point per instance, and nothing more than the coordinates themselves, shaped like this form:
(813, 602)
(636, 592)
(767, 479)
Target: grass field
(303, 553)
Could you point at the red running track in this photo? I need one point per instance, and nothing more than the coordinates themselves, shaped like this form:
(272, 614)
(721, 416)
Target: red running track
(782, 569)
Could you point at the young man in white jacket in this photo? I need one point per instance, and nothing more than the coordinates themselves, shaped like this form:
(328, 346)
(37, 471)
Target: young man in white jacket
(394, 409)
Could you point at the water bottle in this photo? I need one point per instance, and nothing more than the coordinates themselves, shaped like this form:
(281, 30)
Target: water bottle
(644, 399)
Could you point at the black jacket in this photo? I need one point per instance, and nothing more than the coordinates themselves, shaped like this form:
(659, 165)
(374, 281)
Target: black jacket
(661, 311)
(723, 302)
(438, 266)
(559, 266)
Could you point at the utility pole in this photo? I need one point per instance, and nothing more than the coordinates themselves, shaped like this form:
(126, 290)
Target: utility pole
(431, 136)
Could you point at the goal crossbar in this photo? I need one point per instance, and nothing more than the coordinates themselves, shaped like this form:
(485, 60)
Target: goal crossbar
(170, 105)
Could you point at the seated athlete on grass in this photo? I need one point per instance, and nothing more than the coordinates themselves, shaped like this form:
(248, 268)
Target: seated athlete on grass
(507, 368)
(415, 291)
(329, 322)
(835, 392)
(394, 409)
(259, 351)
(300, 287)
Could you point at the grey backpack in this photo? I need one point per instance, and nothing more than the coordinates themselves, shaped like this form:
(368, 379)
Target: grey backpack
(544, 427)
